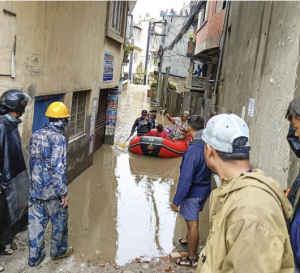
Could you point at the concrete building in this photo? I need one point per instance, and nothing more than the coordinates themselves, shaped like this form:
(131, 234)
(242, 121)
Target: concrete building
(67, 51)
(139, 39)
(176, 58)
(260, 76)
(208, 31)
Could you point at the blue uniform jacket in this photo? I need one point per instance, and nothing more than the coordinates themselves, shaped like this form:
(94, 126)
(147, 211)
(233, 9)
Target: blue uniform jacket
(48, 162)
(295, 236)
(195, 176)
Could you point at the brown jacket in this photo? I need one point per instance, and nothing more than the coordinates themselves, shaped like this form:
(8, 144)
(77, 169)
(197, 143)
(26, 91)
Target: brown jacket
(248, 230)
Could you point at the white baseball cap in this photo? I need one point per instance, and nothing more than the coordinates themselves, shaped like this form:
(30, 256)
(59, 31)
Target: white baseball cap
(221, 130)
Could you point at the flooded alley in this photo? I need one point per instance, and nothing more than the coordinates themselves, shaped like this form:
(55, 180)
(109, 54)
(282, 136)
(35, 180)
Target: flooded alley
(121, 205)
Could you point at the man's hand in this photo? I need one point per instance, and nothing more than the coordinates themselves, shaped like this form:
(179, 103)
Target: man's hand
(146, 118)
(65, 201)
(131, 134)
(167, 115)
(174, 208)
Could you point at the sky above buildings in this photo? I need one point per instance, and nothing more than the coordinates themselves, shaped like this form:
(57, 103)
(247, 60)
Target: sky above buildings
(153, 7)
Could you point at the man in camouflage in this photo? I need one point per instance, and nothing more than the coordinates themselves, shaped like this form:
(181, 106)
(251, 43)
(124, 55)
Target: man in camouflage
(48, 198)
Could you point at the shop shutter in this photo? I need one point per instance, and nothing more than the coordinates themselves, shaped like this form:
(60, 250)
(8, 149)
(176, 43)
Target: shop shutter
(101, 119)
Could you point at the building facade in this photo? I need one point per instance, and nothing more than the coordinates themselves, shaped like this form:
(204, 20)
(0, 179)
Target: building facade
(137, 60)
(209, 28)
(176, 57)
(64, 51)
(260, 76)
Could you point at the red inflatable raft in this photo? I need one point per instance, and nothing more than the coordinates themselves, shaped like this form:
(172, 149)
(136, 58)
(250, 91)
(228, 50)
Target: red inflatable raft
(157, 146)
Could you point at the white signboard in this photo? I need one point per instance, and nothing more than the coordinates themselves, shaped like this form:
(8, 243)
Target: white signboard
(251, 108)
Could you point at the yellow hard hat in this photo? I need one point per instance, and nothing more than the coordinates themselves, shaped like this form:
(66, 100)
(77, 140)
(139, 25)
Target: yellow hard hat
(57, 110)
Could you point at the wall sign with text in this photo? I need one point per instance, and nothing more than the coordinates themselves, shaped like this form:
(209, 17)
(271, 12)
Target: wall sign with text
(112, 111)
(108, 68)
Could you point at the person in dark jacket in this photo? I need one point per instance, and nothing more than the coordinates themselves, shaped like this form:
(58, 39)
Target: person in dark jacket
(193, 188)
(293, 116)
(142, 124)
(14, 183)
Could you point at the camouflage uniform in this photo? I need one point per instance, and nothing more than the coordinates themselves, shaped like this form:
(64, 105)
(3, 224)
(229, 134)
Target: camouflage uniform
(48, 184)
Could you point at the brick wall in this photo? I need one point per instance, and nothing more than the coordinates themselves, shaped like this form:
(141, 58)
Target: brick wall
(214, 24)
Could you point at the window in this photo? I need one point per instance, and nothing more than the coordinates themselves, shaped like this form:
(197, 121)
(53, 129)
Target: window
(220, 5)
(77, 123)
(137, 34)
(135, 56)
(117, 14)
(202, 16)
(116, 20)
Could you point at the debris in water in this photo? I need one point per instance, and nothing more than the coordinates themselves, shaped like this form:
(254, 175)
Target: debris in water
(98, 252)
(116, 267)
(101, 265)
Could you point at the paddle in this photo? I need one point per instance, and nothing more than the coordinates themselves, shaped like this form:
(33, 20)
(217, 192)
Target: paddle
(124, 143)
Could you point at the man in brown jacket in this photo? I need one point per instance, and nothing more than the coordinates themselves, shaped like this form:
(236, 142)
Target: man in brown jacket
(248, 212)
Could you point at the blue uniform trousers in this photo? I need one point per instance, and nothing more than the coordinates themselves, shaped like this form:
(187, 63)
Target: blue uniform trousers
(39, 214)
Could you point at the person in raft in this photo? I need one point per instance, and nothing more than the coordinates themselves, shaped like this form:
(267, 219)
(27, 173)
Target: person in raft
(159, 133)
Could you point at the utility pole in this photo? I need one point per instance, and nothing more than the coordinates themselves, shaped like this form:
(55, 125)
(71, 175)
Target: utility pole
(147, 55)
(160, 54)
(130, 61)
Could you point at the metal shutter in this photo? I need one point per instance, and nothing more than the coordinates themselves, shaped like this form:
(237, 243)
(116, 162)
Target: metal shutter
(101, 119)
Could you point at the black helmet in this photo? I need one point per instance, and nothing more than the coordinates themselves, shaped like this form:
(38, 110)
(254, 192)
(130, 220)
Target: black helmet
(15, 100)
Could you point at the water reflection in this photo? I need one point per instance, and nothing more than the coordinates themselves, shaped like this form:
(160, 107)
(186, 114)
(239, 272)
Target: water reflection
(145, 223)
(121, 204)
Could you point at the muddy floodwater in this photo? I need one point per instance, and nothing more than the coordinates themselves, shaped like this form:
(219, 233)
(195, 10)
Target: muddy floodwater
(120, 207)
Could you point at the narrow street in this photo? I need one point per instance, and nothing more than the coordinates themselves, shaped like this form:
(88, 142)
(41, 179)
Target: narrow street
(120, 207)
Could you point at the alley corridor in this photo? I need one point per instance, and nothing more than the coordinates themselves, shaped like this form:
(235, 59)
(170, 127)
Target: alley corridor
(119, 207)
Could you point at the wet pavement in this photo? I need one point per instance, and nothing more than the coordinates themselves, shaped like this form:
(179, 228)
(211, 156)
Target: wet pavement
(120, 207)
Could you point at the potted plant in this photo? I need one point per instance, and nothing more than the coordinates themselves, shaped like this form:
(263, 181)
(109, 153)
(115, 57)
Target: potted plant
(127, 50)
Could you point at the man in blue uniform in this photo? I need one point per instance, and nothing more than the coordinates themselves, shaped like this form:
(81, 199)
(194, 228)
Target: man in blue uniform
(48, 198)
(193, 188)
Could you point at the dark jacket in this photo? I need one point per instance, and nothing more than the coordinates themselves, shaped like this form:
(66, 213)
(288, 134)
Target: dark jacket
(143, 129)
(294, 223)
(295, 236)
(195, 176)
(11, 155)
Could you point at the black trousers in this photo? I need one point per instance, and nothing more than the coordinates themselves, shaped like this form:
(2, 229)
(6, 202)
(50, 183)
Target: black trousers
(6, 235)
